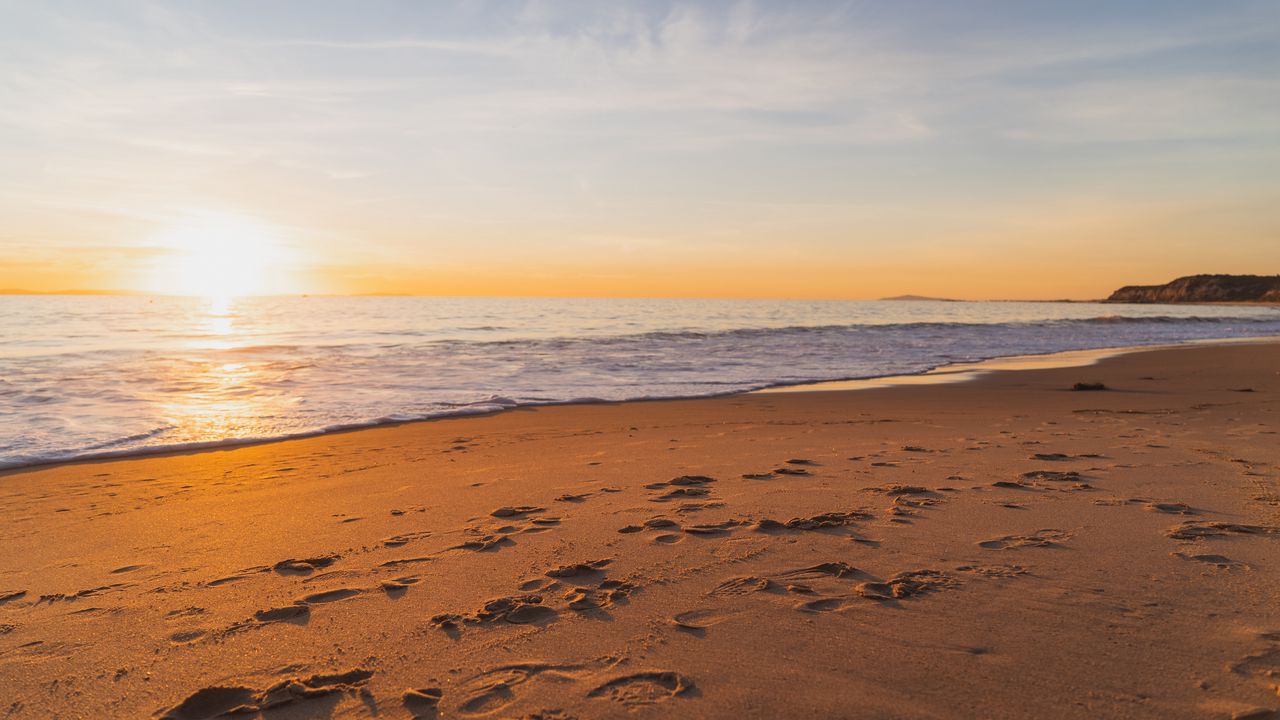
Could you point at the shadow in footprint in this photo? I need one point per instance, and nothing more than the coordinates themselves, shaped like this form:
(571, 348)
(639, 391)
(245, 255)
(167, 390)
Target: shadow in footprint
(423, 704)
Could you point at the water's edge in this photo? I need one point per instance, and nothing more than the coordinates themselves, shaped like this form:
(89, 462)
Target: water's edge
(966, 371)
(943, 374)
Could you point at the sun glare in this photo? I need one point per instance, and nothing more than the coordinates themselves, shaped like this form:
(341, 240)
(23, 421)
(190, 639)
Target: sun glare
(219, 256)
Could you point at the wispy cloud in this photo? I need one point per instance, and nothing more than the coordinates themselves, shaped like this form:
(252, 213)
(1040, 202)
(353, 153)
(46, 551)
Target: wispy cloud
(419, 131)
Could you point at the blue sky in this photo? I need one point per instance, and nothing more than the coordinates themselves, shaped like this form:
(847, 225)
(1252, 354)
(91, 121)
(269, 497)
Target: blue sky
(974, 149)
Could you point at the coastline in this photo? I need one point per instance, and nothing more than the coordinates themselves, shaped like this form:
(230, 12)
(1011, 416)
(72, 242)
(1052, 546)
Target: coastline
(898, 552)
(962, 371)
(966, 371)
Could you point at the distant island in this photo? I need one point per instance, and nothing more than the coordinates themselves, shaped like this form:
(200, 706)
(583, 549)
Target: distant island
(919, 297)
(1204, 289)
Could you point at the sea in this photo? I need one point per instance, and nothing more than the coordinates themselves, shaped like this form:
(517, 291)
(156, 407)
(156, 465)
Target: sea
(88, 376)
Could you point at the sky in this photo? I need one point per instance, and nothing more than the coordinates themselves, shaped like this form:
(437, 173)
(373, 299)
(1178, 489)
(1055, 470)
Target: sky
(692, 149)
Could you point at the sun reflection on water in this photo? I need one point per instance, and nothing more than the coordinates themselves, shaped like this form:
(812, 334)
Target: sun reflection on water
(220, 405)
(215, 324)
(219, 398)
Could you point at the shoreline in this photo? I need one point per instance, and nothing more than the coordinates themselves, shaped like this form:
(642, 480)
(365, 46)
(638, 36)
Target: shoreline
(965, 371)
(956, 372)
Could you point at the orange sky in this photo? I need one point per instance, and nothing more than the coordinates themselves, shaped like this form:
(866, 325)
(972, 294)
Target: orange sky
(639, 149)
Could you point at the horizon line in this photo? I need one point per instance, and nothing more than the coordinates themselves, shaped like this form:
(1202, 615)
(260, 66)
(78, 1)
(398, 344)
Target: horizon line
(895, 298)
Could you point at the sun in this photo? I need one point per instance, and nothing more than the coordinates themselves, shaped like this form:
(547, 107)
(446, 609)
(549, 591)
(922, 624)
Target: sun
(219, 255)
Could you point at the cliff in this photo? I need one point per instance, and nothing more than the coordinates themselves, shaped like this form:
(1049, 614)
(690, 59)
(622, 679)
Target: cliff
(1204, 288)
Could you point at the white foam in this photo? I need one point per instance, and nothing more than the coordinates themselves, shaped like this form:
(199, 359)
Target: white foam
(107, 377)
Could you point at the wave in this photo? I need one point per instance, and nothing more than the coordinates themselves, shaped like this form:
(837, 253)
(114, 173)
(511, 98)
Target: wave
(100, 452)
(423, 340)
(490, 405)
(294, 370)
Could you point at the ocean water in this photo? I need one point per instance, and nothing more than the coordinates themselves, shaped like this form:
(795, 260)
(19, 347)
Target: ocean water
(87, 376)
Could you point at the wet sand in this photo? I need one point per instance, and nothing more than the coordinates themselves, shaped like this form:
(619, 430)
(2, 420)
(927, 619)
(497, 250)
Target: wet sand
(998, 548)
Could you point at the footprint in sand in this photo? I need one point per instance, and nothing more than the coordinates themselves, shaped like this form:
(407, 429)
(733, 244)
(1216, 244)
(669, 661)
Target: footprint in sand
(423, 703)
(907, 585)
(1013, 485)
(681, 494)
(669, 527)
(1219, 561)
(1197, 530)
(714, 529)
(329, 596)
(212, 702)
(683, 487)
(693, 507)
(660, 523)
(399, 586)
(791, 471)
(516, 609)
(516, 512)
(404, 539)
(817, 522)
(795, 582)
(186, 637)
(488, 538)
(331, 576)
(602, 597)
(1000, 571)
(580, 570)
(495, 689)
(400, 562)
(741, 586)
(226, 580)
(1257, 713)
(305, 566)
(484, 543)
(88, 592)
(822, 570)
(541, 583)
(898, 490)
(219, 701)
(1052, 457)
(1053, 475)
(697, 621)
(1041, 538)
(1264, 664)
(185, 612)
(829, 604)
(644, 688)
(1172, 508)
(294, 613)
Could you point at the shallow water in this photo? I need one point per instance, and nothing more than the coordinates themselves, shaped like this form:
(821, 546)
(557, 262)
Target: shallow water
(90, 375)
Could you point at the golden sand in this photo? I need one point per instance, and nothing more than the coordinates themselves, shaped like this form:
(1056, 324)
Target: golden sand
(998, 548)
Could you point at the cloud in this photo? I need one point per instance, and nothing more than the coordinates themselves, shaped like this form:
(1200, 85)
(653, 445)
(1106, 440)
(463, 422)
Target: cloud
(459, 130)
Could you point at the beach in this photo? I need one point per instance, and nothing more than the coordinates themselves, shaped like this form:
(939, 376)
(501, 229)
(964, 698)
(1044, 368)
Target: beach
(1003, 547)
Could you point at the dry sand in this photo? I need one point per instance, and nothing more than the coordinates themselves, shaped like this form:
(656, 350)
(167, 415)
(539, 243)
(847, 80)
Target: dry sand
(1000, 548)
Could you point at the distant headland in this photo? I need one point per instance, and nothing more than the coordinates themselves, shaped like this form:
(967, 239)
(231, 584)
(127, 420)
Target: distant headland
(1203, 289)
(920, 298)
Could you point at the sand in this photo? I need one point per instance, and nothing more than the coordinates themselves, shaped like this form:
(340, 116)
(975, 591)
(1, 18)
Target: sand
(998, 548)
